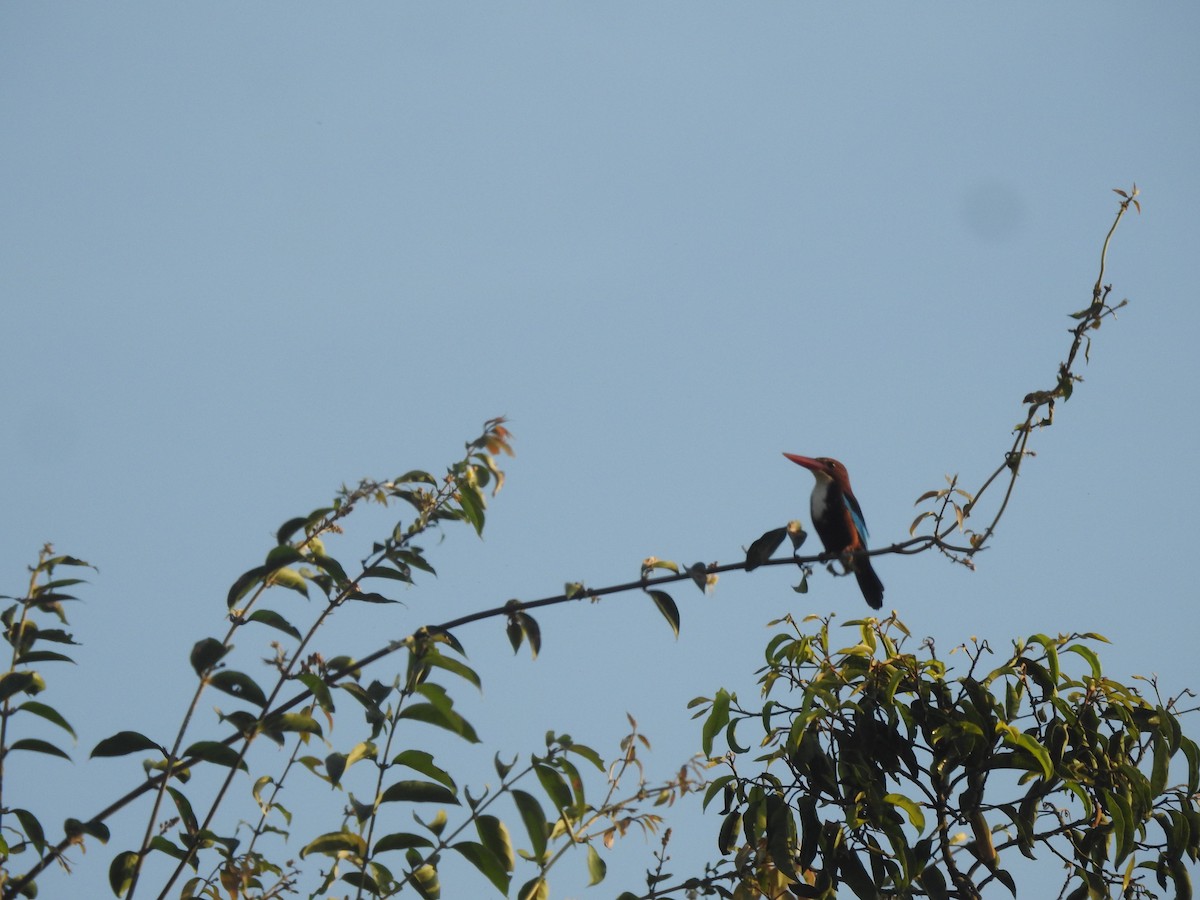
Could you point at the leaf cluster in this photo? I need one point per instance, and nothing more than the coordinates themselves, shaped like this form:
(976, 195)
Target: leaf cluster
(390, 767)
(881, 773)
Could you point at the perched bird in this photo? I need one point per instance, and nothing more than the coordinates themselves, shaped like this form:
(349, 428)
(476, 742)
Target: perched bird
(838, 519)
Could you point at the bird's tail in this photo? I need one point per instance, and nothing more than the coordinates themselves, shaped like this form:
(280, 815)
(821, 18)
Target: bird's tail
(868, 582)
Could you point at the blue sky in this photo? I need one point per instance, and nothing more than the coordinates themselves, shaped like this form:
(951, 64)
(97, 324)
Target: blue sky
(251, 251)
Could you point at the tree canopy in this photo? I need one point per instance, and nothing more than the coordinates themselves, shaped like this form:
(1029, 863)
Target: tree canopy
(865, 767)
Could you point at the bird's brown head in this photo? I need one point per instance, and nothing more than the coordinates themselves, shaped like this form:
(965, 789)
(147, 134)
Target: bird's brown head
(823, 467)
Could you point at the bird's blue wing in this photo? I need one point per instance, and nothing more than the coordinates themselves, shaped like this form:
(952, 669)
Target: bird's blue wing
(856, 517)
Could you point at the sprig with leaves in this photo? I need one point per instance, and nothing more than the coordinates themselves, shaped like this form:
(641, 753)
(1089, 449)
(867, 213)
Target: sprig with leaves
(953, 506)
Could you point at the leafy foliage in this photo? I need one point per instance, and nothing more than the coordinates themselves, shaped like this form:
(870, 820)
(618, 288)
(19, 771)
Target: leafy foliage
(886, 776)
(872, 770)
(386, 766)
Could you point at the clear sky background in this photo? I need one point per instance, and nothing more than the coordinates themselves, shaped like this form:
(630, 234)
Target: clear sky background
(249, 252)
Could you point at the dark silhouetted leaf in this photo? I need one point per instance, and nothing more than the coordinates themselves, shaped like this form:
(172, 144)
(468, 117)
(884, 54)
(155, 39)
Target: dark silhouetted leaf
(401, 841)
(207, 653)
(126, 742)
(215, 752)
(238, 684)
(12, 683)
(667, 607)
(244, 583)
(35, 745)
(334, 844)
(485, 861)
(274, 620)
(534, 819)
(32, 828)
(418, 792)
(288, 528)
(764, 548)
(698, 572)
(120, 872)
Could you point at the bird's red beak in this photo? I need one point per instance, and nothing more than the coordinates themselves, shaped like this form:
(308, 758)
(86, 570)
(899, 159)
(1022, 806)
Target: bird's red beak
(808, 462)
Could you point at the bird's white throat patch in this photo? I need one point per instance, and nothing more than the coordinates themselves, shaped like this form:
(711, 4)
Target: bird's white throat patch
(819, 501)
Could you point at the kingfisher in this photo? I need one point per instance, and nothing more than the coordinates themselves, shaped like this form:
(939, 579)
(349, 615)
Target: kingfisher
(838, 519)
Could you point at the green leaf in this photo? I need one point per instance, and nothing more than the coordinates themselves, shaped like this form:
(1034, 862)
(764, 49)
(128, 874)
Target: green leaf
(533, 632)
(336, 843)
(442, 718)
(56, 636)
(387, 572)
(36, 745)
(1007, 880)
(120, 872)
(485, 861)
(1162, 762)
(412, 557)
(329, 565)
(12, 683)
(319, 690)
(554, 786)
(1050, 647)
(667, 607)
(1124, 825)
(728, 837)
(244, 583)
(335, 767)
(401, 841)
(207, 653)
(534, 819)
(1088, 654)
(162, 845)
(74, 828)
(418, 792)
(494, 835)
(597, 868)
(49, 713)
(587, 753)
(534, 889)
(283, 555)
(217, 753)
(916, 817)
(764, 548)
(1192, 753)
(288, 528)
(125, 742)
(1035, 749)
(238, 684)
(184, 807)
(718, 718)
(31, 657)
(292, 723)
(425, 882)
(369, 597)
(781, 836)
(290, 579)
(422, 762)
(934, 883)
(472, 504)
(459, 668)
(416, 476)
(32, 828)
(274, 620)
